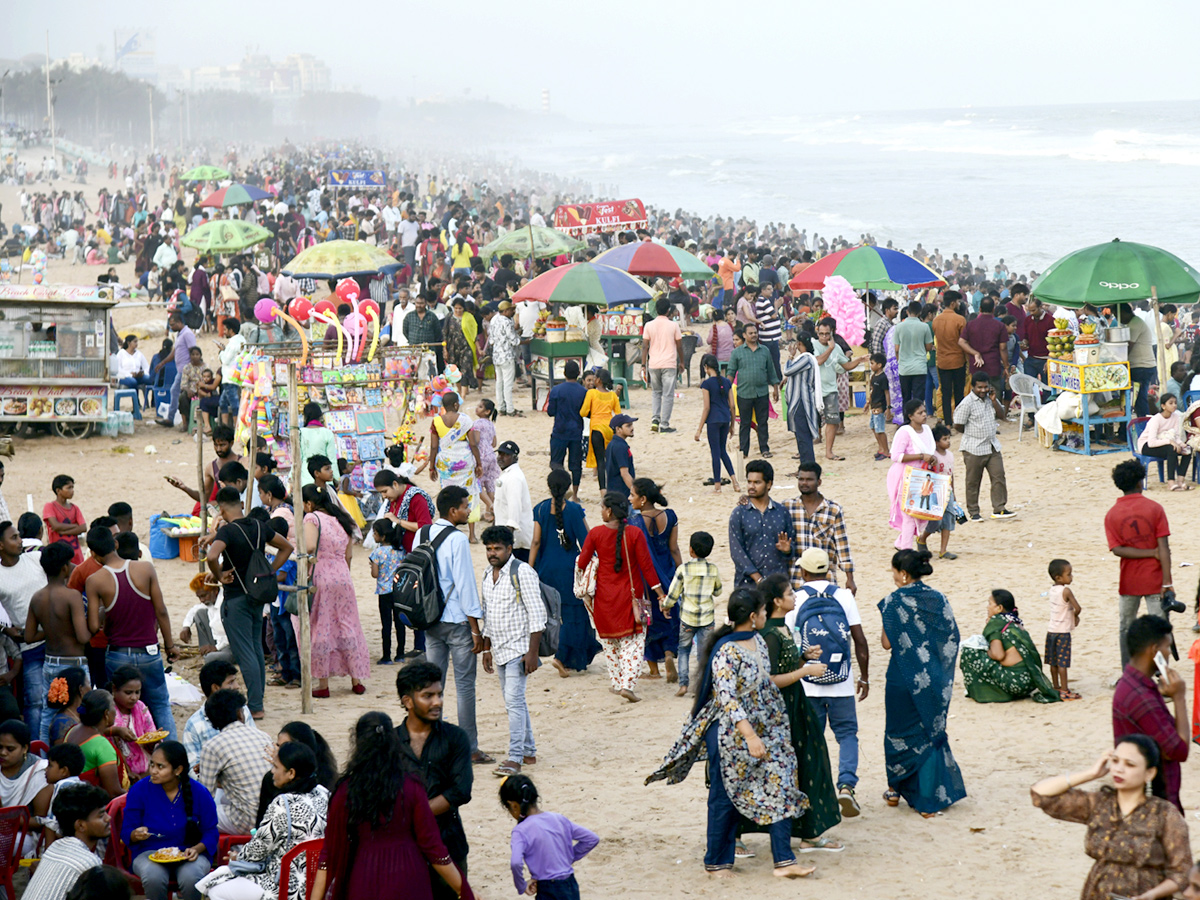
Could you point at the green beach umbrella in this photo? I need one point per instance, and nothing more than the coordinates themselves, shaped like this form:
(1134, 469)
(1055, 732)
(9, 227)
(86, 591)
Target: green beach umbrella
(224, 236)
(545, 242)
(1117, 272)
(204, 173)
(585, 284)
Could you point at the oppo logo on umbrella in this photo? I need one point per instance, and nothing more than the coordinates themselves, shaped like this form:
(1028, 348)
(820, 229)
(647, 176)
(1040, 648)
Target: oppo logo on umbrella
(1119, 285)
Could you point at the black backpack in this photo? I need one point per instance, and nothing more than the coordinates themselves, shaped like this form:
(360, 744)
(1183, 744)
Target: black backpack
(552, 600)
(260, 583)
(416, 591)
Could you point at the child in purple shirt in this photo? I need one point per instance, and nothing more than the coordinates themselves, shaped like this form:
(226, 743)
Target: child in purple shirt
(544, 842)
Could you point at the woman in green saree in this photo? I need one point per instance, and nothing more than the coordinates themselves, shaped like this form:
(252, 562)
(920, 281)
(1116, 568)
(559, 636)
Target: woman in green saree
(808, 737)
(1010, 668)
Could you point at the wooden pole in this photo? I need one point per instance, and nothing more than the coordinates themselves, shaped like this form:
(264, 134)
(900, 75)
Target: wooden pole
(201, 562)
(302, 567)
(1160, 358)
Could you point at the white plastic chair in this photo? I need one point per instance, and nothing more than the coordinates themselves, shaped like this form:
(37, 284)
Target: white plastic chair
(1029, 392)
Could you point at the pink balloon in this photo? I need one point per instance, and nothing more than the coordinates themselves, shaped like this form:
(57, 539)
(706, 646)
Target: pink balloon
(355, 324)
(265, 309)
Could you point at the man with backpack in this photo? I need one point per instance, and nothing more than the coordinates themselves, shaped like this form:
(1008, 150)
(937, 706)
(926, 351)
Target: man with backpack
(826, 617)
(455, 635)
(514, 618)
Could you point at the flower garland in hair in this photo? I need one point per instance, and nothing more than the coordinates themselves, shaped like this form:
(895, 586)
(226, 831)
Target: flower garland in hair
(58, 694)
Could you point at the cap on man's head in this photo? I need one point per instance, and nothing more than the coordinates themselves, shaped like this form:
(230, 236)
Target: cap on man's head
(504, 305)
(814, 560)
(509, 448)
(622, 419)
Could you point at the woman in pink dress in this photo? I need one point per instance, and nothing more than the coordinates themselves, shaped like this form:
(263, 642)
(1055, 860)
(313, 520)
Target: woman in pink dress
(912, 445)
(339, 646)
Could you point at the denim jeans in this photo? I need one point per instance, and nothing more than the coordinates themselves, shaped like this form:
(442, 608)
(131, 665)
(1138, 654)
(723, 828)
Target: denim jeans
(662, 395)
(687, 634)
(138, 384)
(52, 667)
(520, 728)
(287, 647)
(154, 682)
(842, 714)
(1143, 378)
(452, 640)
(723, 820)
(176, 386)
(804, 442)
(32, 663)
(155, 877)
(1127, 606)
(243, 621)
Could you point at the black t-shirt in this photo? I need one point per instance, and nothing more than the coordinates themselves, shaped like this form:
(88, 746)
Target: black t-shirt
(879, 389)
(241, 539)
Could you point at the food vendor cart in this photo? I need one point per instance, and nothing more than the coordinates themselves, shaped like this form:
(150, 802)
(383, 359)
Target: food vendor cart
(54, 360)
(547, 361)
(1088, 380)
(617, 328)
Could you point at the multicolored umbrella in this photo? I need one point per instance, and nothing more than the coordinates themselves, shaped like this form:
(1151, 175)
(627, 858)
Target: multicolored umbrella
(235, 195)
(225, 236)
(341, 259)
(647, 259)
(585, 284)
(545, 243)
(1117, 272)
(868, 267)
(204, 173)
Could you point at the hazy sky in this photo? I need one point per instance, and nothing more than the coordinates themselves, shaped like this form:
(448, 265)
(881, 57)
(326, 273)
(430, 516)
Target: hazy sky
(622, 60)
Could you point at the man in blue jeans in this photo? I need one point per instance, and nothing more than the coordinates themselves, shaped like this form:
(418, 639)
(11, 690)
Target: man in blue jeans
(835, 702)
(185, 340)
(456, 636)
(121, 590)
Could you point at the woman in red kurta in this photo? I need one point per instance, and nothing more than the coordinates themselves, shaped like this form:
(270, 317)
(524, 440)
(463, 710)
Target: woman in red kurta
(619, 609)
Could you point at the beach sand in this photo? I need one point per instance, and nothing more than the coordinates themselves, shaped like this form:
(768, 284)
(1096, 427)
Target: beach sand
(595, 750)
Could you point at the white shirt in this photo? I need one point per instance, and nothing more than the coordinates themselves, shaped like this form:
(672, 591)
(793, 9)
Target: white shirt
(537, 221)
(409, 232)
(513, 507)
(527, 315)
(846, 599)
(18, 584)
(229, 357)
(129, 364)
(214, 620)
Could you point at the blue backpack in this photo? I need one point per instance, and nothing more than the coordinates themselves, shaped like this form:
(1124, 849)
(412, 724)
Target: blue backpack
(821, 622)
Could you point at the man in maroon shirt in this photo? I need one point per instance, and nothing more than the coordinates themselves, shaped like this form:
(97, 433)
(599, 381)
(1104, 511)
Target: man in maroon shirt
(1018, 295)
(985, 341)
(1138, 704)
(1032, 331)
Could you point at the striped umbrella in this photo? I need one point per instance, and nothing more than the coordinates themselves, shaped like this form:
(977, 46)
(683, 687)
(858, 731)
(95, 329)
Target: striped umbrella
(585, 284)
(868, 267)
(647, 259)
(235, 195)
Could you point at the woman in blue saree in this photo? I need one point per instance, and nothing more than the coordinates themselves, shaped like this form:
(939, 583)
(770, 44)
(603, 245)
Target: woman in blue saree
(661, 527)
(919, 629)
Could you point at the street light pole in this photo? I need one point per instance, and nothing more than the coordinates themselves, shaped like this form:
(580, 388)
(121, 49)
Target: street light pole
(50, 105)
(150, 93)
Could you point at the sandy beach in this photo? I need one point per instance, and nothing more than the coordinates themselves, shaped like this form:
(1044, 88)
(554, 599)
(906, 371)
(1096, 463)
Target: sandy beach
(594, 750)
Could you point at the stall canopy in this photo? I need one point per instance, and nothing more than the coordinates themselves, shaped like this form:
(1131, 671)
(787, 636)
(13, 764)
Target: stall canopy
(1117, 272)
(613, 215)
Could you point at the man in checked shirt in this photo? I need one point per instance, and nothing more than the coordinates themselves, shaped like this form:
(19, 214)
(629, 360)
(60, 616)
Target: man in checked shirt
(818, 522)
(514, 617)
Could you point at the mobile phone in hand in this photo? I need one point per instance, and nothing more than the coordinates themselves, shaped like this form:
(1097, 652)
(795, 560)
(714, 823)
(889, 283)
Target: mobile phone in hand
(1160, 662)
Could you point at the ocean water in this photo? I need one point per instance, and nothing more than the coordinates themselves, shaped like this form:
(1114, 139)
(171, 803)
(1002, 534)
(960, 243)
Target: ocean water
(1026, 185)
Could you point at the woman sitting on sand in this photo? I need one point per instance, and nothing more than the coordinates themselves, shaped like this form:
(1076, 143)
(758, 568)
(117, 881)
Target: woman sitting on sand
(1140, 843)
(1005, 665)
(740, 723)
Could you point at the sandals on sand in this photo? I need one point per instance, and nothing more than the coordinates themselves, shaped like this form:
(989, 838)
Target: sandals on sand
(891, 798)
(822, 844)
(1070, 695)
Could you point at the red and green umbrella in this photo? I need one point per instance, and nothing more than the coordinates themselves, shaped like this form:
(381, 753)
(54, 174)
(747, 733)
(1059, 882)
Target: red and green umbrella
(235, 195)
(868, 267)
(585, 284)
(647, 259)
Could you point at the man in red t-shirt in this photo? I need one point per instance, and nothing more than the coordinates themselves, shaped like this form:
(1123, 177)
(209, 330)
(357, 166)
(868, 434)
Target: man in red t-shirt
(1137, 532)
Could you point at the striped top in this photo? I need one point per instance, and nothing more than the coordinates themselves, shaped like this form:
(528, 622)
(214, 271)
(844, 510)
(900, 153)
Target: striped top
(769, 327)
(62, 864)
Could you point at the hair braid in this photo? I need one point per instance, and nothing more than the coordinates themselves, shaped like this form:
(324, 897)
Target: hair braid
(558, 481)
(618, 506)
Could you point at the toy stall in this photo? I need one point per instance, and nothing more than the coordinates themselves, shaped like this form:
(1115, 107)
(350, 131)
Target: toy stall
(54, 360)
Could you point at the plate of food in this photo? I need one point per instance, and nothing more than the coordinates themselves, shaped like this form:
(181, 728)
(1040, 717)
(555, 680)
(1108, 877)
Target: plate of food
(89, 406)
(167, 855)
(66, 406)
(15, 406)
(40, 407)
(152, 737)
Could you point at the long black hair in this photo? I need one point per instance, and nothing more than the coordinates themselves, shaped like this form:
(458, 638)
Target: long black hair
(913, 562)
(388, 533)
(320, 499)
(709, 361)
(743, 603)
(375, 773)
(324, 772)
(94, 706)
(772, 588)
(651, 490)
(521, 790)
(74, 679)
(176, 756)
(618, 506)
(559, 482)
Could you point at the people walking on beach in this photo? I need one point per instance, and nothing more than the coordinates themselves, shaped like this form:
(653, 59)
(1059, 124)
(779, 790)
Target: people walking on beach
(664, 361)
(716, 418)
(805, 401)
(548, 844)
(975, 419)
(752, 369)
(564, 403)
(761, 533)
(661, 529)
(600, 405)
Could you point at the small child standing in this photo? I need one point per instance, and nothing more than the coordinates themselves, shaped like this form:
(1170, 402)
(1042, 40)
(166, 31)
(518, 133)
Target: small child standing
(348, 495)
(1064, 616)
(944, 463)
(696, 585)
(385, 560)
(64, 520)
(881, 402)
(546, 843)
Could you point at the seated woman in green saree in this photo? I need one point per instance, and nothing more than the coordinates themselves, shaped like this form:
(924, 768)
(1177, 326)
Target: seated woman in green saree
(1010, 668)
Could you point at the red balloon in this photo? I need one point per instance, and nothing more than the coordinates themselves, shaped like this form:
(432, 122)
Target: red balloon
(300, 309)
(366, 304)
(326, 306)
(348, 290)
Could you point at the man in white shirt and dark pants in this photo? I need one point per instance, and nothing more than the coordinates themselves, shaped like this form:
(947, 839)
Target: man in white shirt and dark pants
(512, 505)
(835, 702)
(514, 617)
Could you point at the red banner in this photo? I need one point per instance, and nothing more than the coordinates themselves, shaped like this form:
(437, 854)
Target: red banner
(586, 218)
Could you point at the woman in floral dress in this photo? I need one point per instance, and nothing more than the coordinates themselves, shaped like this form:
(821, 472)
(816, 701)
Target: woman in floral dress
(454, 453)
(740, 723)
(485, 441)
(339, 646)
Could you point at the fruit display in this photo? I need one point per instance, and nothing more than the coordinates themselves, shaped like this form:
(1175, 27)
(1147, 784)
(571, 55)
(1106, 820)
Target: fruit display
(1061, 341)
(1087, 334)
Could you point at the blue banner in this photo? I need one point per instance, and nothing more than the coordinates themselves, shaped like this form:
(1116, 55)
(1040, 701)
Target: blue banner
(359, 178)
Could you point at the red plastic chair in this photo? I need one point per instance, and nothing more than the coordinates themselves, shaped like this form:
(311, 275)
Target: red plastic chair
(39, 748)
(225, 843)
(118, 854)
(312, 853)
(14, 825)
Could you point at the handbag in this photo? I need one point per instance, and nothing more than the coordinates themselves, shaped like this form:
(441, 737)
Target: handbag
(585, 583)
(641, 606)
(291, 603)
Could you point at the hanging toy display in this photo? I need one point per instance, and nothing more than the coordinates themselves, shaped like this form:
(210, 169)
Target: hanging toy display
(847, 310)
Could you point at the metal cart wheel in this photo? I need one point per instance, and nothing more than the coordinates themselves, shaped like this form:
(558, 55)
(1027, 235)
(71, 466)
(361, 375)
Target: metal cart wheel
(73, 430)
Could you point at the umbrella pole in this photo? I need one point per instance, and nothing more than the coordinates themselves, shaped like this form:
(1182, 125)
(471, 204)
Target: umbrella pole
(1160, 358)
(532, 251)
